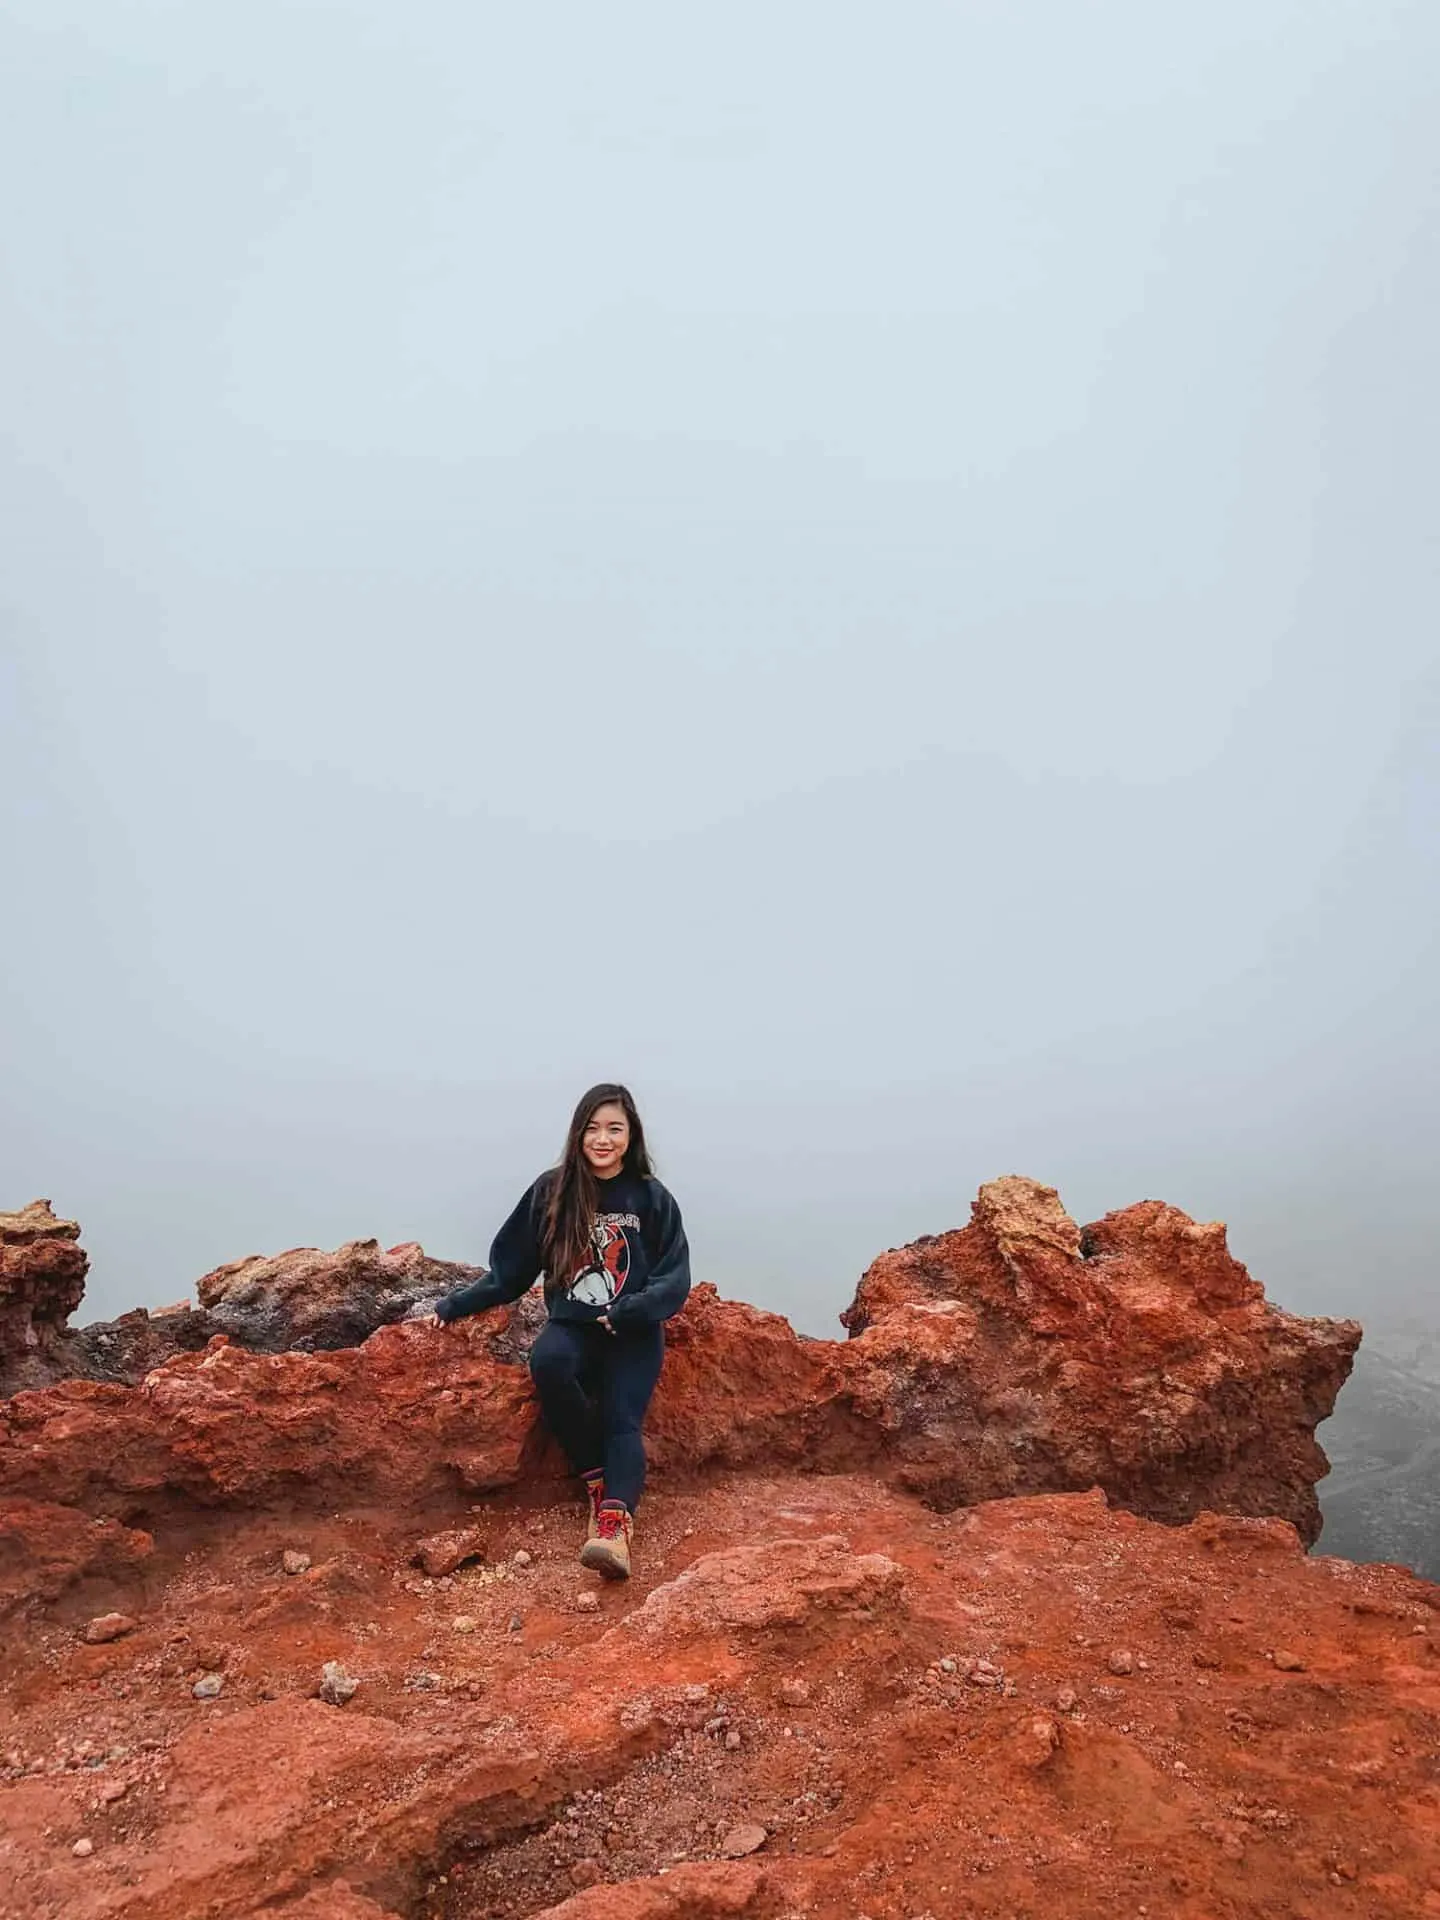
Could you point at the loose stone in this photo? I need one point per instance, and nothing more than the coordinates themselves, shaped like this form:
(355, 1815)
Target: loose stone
(293, 1561)
(336, 1685)
(108, 1626)
(442, 1553)
(208, 1686)
(748, 1837)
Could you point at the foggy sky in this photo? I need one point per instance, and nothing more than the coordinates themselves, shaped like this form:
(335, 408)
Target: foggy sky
(871, 572)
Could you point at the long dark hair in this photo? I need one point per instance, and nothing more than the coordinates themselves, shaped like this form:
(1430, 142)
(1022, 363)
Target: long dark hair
(570, 1212)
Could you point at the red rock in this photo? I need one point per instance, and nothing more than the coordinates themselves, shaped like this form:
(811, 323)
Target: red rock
(108, 1626)
(42, 1281)
(1036, 1741)
(46, 1548)
(310, 1299)
(785, 1586)
(1021, 1352)
(336, 1902)
(305, 1299)
(749, 1837)
(442, 1553)
(695, 1892)
(1017, 1355)
(121, 1352)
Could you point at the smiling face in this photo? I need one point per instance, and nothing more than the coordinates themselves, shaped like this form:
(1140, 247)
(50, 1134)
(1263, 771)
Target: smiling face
(605, 1140)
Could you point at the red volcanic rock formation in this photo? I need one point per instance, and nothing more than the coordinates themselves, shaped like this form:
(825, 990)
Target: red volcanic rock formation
(45, 1549)
(998, 1360)
(1020, 1353)
(302, 1300)
(42, 1280)
(835, 1686)
(309, 1299)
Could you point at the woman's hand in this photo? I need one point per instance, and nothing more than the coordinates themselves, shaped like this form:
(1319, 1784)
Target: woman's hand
(604, 1321)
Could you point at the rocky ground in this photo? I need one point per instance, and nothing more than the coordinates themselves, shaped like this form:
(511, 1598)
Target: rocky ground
(976, 1613)
(817, 1697)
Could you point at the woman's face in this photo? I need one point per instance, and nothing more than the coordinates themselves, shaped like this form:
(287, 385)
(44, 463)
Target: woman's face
(606, 1137)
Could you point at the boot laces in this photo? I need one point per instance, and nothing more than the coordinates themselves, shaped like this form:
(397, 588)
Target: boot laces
(611, 1522)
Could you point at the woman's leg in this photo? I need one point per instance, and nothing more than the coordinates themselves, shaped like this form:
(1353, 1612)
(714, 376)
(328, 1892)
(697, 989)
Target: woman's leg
(631, 1359)
(559, 1359)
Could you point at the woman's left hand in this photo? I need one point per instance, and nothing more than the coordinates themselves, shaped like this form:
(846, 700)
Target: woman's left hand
(604, 1321)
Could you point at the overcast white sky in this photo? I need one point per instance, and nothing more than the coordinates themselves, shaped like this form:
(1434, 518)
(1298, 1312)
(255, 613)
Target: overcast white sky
(869, 571)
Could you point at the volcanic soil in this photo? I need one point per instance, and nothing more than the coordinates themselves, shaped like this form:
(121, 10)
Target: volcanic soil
(816, 1697)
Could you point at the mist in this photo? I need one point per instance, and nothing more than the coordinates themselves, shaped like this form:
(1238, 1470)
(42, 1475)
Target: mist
(871, 575)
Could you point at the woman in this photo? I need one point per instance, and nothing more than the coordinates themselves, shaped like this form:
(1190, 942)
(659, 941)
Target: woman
(609, 1240)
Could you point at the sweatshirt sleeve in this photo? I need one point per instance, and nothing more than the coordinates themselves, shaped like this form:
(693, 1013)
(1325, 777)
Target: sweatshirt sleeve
(515, 1260)
(668, 1286)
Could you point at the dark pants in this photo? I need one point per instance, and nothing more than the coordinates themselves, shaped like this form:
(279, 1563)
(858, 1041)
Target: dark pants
(594, 1388)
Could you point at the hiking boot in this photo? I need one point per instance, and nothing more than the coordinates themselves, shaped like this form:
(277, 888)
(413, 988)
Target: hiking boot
(609, 1551)
(594, 1485)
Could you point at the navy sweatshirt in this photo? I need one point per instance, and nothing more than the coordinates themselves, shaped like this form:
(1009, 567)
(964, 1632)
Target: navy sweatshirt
(639, 1269)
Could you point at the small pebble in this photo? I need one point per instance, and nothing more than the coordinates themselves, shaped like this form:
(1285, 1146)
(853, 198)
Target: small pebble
(208, 1686)
(732, 1740)
(948, 1664)
(1121, 1661)
(587, 1603)
(524, 1559)
(463, 1623)
(516, 1623)
(795, 1693)
(1065, 1699)
(83, 1849)
(294, 1561)
(1288, 1662)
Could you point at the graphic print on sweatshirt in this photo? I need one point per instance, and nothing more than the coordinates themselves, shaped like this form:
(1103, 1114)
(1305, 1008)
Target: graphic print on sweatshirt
(604, 1279)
